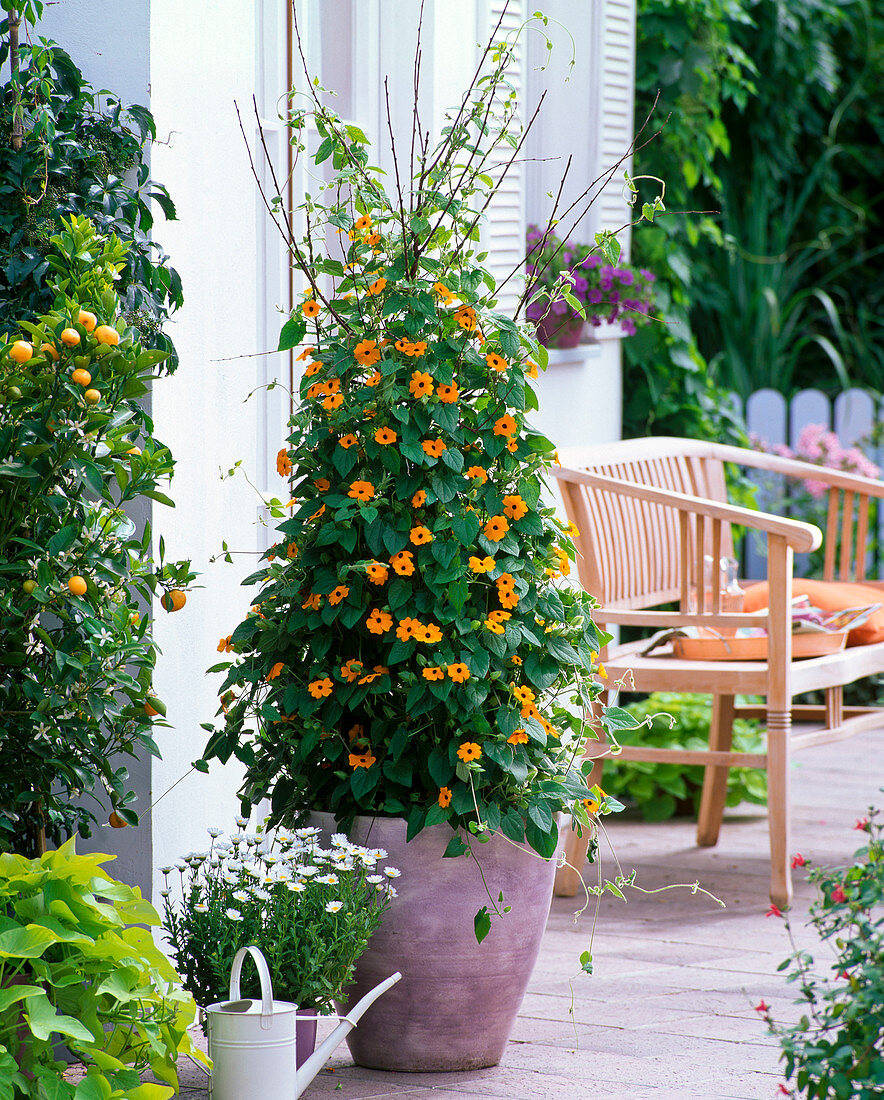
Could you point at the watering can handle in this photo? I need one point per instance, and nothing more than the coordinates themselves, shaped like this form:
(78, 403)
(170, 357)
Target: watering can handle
(263, 975)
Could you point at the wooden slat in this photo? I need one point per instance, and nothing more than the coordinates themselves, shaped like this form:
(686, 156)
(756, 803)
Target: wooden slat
(682, 756)
(831, 536)
(846, 536)
(684, 563)
(862, 534)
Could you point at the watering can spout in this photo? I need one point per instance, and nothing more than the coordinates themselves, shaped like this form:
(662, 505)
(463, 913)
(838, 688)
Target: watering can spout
(319, 1057)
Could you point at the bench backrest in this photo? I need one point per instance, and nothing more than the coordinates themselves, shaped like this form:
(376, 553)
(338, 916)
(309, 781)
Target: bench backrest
(630, 551)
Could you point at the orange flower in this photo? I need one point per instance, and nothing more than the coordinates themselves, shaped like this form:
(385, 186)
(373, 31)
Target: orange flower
(507, 597)
(419, 499)
(377, 573)
(406, 628)
(496, 528)
(379, 622)
(361, 490)
(320, 689)
(348, 440)
(444, 293)
(317, 514)
(402, 343)
(448, 394)
(494, 627)
(505, 426)
(420, 534)
(361, 760)
(514, 507)
(322, 484)
(564, 561)
(283, 463)
(333, 401)
(512, 446)
(482, 565)
(372, 239)
(505, 580)
(275, 671)
(356, 732)
(499, 616)
(466, 318)
(385, 436)
(495, 362)
(314, 368)
(310, 308)
(524, 694)
(313, 601)
(362, 223)
(377, 286)
(433, 447)
(519, 737)
(350, 671)
(338, 594)
(315, 390)
(469, 750)
(516, 660)
(367, 352)
(444, 797)
(431, 634)
(403, 563)
(305, 354)
(459, 672)
(434, 672)
(572, 530)
(478, 472)
(225, 646)
(421, 384)
(416, 349)
(291, 550)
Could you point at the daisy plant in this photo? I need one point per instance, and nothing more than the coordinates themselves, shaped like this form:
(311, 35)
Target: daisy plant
(415, 647)
(311, 909)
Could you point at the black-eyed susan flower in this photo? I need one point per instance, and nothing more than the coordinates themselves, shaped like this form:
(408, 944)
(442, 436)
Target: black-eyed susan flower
(348, 440)
(434, 672)
(420, 534)
(518, 737)
(367, 352)
(496, 362)
(466, 318)
(312, 602)
(419, 499)
(433, 447)
(468, 751)
(361, 490)
(505, 425)
(310, 308)
(337, 595)
(448, 394)
(377, 572)
(275, 671)
(514, 507)
(444, 797)
(458, 672)
(225, 645)
(405, 629)
(403, 563)
(385, 436)
(496, 528)
(430, 633)
(444, 293)
(361, 760)
(478, 473)
(379, 622)
(361, 224)
(377, 286)
(350, 671)
(333, 401)
(305, 354)
(421, 384)
(283, 463)
(481, 565)
(320, 689)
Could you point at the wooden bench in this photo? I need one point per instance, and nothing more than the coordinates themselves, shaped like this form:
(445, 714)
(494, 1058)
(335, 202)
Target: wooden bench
(648, 511)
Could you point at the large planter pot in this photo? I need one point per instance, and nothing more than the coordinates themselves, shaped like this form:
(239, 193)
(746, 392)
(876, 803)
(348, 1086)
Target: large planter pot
(560, 330)
(458, 999)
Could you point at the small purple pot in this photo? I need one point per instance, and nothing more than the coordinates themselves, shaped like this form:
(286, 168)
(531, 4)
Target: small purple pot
(305, 1035)
(458, 999)
(560, 330)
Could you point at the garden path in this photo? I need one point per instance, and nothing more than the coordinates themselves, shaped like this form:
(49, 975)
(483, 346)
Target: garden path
(668, 1014)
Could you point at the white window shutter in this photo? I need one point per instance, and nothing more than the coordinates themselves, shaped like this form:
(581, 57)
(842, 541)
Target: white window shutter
(616, 58)
(503, 235)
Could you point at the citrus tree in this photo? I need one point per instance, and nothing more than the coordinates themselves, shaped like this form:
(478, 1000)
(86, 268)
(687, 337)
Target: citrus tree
(77, 450)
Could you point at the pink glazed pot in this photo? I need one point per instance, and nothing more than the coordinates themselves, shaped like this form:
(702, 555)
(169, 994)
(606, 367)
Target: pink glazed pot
(457, 1001)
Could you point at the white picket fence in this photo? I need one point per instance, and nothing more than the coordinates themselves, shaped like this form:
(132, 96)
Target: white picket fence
(855, 416)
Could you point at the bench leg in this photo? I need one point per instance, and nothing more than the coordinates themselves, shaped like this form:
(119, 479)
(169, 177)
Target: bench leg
(567, 880)
(779, 725)
(715, 778)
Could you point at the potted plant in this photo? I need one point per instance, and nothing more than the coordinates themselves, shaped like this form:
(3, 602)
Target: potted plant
(311, 910)
(574, 283)
(77, 450)
(76, 961)
(416, 664)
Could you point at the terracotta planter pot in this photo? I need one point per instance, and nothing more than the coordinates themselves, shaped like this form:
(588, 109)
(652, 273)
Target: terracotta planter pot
(457, 1001)
(560, 330)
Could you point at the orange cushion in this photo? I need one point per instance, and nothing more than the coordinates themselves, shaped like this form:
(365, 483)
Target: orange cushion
(831, 596)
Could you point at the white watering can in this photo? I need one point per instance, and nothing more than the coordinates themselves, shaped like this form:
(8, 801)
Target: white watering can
(252, 1043)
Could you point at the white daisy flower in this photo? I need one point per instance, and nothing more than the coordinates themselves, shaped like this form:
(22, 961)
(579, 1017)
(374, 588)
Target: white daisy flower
(231, 880)
(378, 853)
(251, 869)
(392, 872)
(268, 880)
(261, 895)
(270, 859)
(165, 893)
(240, 895)
(201, 908)
(308, 870)
(307, 831)
(233, 914)
(334, 906)
(339, 840)
(180, 865)
(296, 887)
(214, 831)
(242, 822)
(391, 892)
(374, 879)
(166, 870)
(328, 880)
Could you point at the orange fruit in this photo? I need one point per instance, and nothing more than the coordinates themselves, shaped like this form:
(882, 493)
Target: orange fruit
(151, 709)
(13, 393)
(92, 396)
(134, 451)
(70, 336)
(29, 585)
(81, 377)
(77, 586)
(87, 320)
(50, 351)
(116, 822)
(104, 334)
(21, 351)
(174, 600)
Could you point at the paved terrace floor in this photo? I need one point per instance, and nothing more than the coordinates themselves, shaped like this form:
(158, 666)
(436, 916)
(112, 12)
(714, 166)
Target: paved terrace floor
(668, 1014)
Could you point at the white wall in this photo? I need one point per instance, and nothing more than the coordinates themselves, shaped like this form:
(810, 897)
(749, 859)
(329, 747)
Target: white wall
(201, 63)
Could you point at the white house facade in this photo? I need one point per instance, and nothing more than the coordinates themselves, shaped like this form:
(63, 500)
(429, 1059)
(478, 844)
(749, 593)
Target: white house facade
(193, 65)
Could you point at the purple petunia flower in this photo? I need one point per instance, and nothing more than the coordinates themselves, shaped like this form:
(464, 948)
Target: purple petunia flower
(626, 277)
(627, 325)
(580, 286)
(594, 296)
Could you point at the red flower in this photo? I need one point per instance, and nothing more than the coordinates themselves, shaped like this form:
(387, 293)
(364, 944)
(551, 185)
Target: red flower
(798, 860)
(774, 911)
(782, 1090)
(762, 1006)
(862, 823)
(838, 894)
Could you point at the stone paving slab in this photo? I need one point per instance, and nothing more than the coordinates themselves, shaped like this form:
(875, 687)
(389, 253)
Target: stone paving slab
(669, 1012)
